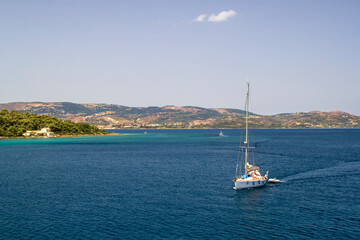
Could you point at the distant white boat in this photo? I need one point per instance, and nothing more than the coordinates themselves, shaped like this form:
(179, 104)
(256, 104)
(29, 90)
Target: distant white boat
(251, 177)
(221, 133)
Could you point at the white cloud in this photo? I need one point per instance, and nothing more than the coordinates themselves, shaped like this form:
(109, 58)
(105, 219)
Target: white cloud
(223, 16)
(200, 18)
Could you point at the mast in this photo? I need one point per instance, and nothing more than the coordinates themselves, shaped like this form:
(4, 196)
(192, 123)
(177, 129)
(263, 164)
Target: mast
(246, 120)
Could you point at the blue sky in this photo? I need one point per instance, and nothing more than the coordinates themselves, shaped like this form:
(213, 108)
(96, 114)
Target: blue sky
(298, 55)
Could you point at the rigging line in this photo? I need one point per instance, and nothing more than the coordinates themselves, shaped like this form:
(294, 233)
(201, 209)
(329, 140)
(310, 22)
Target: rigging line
(239, 155)
(247, 126)
(239, 152)
(250, 112)
(253, 155)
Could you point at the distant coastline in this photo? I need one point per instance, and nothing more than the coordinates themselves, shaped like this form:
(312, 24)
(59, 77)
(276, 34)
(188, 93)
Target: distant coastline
(146, 129)
(111, 116)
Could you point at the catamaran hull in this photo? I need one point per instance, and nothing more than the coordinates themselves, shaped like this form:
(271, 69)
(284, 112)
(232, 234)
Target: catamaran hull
(250, 184)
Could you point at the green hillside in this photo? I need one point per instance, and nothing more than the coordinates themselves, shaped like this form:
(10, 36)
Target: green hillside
(14, 124)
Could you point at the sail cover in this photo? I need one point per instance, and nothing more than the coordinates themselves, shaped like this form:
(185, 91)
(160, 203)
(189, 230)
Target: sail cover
(250, 168)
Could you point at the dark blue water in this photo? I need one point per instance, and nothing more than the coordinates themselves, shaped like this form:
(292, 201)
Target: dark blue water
(177, 184)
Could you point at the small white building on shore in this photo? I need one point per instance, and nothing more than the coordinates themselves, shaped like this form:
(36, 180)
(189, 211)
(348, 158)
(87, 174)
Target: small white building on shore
(46, 132)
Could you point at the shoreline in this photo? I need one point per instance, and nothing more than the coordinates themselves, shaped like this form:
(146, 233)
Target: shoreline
(145, 129)
(117, 134)
(63, 136)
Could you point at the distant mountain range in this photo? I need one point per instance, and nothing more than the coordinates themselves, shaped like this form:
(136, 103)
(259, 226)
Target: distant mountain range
(118, 116)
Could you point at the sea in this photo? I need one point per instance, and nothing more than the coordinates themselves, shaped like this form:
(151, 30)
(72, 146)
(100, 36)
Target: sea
(178, 184)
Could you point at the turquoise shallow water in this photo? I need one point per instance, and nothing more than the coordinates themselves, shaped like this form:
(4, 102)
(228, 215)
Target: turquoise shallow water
(177, 184)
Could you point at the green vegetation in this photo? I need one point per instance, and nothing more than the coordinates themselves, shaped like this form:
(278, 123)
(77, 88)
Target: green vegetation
(14, 124)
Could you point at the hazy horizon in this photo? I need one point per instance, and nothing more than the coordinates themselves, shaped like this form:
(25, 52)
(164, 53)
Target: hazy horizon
(299, 56)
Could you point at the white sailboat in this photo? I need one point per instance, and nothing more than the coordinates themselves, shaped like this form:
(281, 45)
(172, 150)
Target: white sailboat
(252, 177)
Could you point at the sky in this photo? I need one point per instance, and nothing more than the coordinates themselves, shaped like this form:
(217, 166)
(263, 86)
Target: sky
(298, 56)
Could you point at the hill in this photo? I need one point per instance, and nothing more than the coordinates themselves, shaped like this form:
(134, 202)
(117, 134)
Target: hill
(15, 124)
(118, 116)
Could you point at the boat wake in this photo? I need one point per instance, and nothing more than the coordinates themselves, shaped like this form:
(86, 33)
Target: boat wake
(340, 170)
